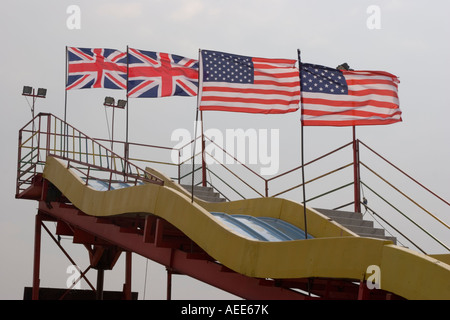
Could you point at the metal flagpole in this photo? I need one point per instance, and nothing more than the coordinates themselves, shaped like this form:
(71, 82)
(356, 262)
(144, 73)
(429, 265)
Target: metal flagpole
(200, 78)
(203, 152)
(65, 103)
(126, 124)
(302, 146)
(303, 158)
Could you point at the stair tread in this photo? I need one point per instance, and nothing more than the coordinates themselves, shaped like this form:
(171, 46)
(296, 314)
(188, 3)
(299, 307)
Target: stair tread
(204, 193)
(355, 222)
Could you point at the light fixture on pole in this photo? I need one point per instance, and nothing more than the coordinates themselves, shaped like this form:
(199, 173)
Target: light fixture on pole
(29, 92)
(110, 102)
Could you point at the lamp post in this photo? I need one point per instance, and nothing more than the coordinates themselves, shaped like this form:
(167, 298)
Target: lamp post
(29, 92)
(110, 102)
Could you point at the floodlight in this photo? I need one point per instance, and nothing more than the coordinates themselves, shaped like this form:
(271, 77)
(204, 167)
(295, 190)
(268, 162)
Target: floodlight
(121, 103)
(109, 101)
(343, 66)
(27, 90)
(42, 92)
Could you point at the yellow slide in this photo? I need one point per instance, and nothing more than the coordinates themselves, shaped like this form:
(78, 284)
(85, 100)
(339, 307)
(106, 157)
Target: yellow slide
(333, 252)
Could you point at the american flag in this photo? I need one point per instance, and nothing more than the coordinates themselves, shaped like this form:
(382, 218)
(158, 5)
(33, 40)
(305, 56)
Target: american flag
(96, 68)
(332, 97)
(247, 84)
(157, 74)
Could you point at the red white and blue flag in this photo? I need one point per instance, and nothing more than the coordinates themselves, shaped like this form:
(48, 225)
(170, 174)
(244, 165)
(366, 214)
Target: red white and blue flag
(237, 83)
(332, 97)
(96, 68)
(156, 74)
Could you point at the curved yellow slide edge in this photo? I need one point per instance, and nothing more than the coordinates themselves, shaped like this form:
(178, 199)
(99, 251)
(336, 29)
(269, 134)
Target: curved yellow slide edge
(404, 272)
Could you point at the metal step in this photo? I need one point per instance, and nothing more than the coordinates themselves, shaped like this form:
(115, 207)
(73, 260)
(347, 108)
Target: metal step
(204, 193)
(354, 221)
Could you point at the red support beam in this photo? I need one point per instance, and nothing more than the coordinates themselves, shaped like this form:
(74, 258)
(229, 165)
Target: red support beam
(204, 270)
(196, 264)
(127, 285)
(37, 256)
(356, 173)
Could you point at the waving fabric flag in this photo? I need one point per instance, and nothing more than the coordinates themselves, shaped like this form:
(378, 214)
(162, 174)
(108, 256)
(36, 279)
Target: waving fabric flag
(96, 68)
(332, 97)
(156, 74)
(236, 83)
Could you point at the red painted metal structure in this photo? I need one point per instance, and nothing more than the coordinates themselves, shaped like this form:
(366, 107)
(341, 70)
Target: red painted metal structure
(147, 235)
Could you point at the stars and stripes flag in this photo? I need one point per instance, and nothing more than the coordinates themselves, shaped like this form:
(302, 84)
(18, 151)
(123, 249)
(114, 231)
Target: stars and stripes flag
(230, 82)
(156, 74)
(332, 97)
(96, 68)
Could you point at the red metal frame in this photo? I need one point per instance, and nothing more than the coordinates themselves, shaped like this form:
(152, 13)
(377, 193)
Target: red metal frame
(156, 239)
(148, 236)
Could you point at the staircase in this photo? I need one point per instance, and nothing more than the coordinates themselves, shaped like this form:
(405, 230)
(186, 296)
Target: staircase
(354, 221)
(204, 193)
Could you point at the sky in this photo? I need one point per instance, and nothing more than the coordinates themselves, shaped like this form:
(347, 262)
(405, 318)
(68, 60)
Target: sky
(405, 38)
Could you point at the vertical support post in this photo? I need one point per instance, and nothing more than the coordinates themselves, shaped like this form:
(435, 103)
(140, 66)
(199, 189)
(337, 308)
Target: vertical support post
(37, 257)
(169, 284)
(127, 285)
(100, 281)
(356, 173)
(49, 130)
(266, 187)
(19, 158)
(203, 152)
(203, 164)
(112, 129)
(363, 291)
(179, 166)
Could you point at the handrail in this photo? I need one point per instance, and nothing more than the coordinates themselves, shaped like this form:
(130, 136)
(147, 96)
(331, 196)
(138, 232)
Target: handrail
(408, 218)
(406, 196)
(71, 148)
(328, 192)
(411, 178)
(218, 191)
(312, 161)
(235, 159)
(314, 179)
(390, 225)
(223, 181)
(234, 174)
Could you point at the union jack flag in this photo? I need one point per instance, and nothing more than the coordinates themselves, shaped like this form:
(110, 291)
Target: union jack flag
(96, 68)
(156, 74)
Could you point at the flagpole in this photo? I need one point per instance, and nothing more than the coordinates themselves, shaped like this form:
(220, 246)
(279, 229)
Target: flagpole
(200, 78)
(203, 152)
(126, 121)
(302, 146)
(65, 103)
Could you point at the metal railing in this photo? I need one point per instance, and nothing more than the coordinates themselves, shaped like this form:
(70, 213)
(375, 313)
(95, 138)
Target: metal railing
(333, 182)
(244, 182)
(47, 135)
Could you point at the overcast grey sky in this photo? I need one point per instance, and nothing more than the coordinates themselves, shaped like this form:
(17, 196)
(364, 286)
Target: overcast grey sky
(410, 43)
